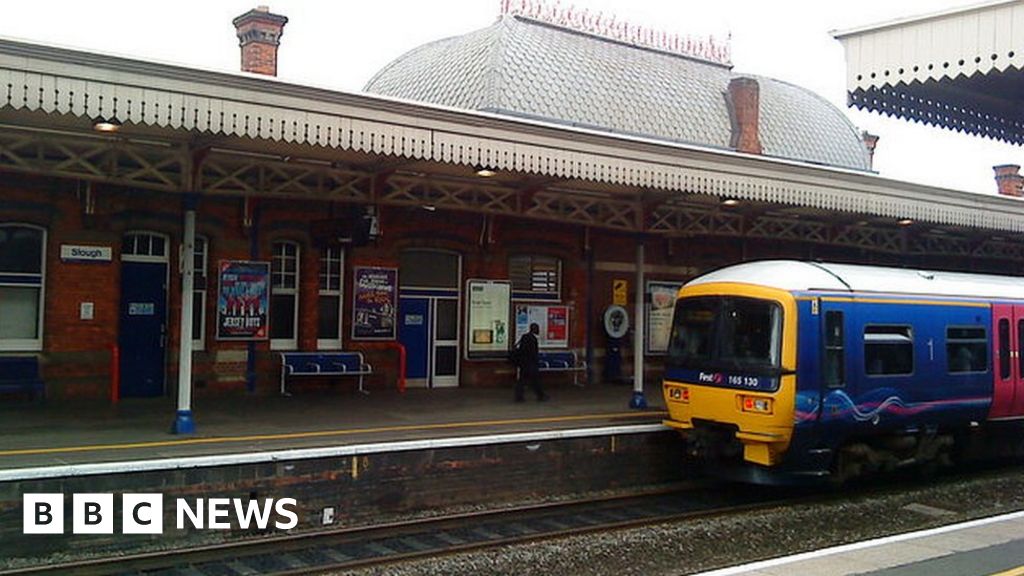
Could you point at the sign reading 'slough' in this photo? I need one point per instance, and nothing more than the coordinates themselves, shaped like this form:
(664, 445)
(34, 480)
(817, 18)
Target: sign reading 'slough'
(72, 253)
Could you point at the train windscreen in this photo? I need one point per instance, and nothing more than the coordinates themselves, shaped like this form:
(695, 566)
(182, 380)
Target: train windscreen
(726, 334)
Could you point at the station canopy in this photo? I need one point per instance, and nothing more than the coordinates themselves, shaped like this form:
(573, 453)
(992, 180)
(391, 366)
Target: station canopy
(958, 69)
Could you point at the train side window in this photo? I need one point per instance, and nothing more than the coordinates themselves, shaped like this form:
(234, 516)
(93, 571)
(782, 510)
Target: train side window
(835, 367)
(1004, 349)
(1020, 344)
(888, 350)
(966, 349)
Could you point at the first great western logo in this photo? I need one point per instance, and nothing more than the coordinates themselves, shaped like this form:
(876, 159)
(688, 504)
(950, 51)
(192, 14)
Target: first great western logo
(144, 513)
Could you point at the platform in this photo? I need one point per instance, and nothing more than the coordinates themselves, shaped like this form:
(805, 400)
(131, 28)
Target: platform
(989, 546)
(39, 435)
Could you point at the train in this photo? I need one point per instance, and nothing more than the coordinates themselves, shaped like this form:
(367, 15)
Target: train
(787, 371)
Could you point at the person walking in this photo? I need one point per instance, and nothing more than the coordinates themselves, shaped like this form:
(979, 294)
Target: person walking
(528, 358)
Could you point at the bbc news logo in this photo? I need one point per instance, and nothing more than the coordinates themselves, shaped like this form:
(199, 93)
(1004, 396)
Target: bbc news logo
(144, 513)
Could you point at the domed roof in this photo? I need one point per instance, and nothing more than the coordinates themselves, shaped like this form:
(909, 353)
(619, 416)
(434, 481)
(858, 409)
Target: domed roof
(522, 67)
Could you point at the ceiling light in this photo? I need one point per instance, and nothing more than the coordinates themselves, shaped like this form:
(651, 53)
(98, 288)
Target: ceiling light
(484, 172)
(106, 125)
(730, 202)
(905, 222)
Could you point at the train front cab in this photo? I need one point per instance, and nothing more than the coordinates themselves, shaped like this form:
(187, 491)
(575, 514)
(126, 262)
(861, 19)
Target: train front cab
(731, 371)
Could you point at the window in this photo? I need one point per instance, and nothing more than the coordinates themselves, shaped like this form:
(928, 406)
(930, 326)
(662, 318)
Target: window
(1020, 346)
(201, 262)
(329, 304)
(834, 365)
(1004, 349)
(966, 349)
(741, 335)
(22, 253)
(284, 296)
(888, 350)
(535, 277)
(143, 244)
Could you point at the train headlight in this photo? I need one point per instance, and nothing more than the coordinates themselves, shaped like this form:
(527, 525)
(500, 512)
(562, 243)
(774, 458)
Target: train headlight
(756, 404)
(679, 394)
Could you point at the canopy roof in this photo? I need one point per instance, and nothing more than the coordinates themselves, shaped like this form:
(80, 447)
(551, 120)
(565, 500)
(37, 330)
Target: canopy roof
(958, 69)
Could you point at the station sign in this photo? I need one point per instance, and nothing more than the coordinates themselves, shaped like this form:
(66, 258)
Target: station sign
(76, 253)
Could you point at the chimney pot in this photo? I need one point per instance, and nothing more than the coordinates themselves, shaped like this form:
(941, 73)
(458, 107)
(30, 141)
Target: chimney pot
(870, 142)
(1008, 180)
(745, 101)
(259, 35)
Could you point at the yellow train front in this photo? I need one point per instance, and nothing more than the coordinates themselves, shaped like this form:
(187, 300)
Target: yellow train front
(784, 371)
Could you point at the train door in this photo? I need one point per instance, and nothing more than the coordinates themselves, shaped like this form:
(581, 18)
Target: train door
(1008, 386)
(834, 360)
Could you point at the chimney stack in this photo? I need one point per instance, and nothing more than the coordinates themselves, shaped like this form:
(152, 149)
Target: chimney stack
(1009, 180)
(745, 100)
(259, 35)
(870, 142)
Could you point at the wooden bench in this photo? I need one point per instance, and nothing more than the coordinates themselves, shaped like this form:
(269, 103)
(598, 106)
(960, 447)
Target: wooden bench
(21, 374)
(562, 361)
(323, 364)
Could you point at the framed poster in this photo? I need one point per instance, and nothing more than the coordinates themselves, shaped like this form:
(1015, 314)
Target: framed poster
(374, 303)
(661, 302)
(243, 300)
(488, 308)
(553, 322)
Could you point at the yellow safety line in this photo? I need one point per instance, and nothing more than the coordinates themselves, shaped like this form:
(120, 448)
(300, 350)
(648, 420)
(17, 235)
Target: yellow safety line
(1018, 571)
(323, 433)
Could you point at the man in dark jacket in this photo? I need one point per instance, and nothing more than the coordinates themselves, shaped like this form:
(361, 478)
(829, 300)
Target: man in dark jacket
(528, 358)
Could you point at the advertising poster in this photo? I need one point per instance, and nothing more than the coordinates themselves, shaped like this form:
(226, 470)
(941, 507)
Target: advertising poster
(488, 307)
(374, 303)
(661, 301)
(552, 320)
(243, 301)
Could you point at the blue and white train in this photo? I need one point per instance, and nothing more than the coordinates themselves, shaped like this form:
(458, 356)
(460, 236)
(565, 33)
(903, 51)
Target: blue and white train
(785, 370)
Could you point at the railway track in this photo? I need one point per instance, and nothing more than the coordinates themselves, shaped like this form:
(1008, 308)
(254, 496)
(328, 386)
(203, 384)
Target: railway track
(384, 544)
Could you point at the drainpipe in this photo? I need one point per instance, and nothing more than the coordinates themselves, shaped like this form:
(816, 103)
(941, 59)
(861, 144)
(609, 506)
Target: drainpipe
(639, 402)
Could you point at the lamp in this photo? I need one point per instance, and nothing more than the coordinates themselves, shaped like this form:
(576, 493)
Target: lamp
(101, 124)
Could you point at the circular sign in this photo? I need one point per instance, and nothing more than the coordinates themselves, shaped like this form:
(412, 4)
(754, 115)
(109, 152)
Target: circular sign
(616, 321)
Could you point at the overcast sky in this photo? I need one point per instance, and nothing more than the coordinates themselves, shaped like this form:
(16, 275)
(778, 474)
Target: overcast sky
(341, 43)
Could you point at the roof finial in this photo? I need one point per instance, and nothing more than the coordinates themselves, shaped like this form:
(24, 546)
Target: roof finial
(572, 18)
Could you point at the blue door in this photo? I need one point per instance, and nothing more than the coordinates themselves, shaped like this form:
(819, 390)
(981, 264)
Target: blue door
(414, 333)
(143, 326)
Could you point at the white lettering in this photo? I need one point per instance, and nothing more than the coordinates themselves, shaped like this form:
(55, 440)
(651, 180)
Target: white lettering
(218, 508)
(282, 510)
(196, 517)
(253, 512)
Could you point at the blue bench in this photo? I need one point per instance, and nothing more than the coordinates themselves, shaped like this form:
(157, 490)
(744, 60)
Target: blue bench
(562, 361)
(323, 364)
(21, 374)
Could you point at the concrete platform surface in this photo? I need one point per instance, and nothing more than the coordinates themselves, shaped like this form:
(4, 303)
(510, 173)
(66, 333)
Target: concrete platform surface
(990, 546)
(36, 435)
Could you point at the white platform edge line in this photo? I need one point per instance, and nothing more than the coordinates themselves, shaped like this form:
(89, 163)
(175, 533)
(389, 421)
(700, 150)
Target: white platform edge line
(121, 467)
(895, 539)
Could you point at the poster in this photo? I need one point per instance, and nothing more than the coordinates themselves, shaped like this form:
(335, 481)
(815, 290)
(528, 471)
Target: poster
(661, 301)
(488, 309)
(552, 320)
(243, 300)
(374, 303)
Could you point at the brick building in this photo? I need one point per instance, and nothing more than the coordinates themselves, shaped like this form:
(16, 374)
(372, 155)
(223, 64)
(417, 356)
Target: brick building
(596, 162)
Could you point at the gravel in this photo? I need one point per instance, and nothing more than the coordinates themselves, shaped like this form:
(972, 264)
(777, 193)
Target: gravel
(693, 546)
